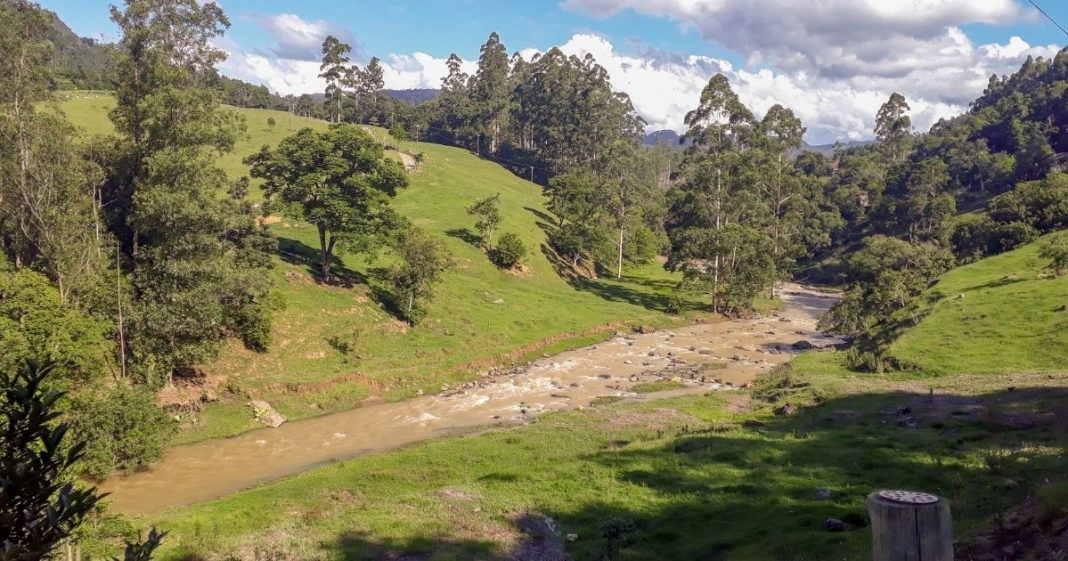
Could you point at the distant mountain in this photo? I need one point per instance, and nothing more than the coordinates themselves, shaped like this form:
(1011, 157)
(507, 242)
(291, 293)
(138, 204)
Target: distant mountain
(79, 62)
(664, 136)
(414, 96)
(828, 149)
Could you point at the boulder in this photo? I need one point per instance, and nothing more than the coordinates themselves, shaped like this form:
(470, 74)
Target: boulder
(803, 345)
(266, 414)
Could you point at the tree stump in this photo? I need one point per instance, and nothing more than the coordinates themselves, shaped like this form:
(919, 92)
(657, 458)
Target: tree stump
(910, 526)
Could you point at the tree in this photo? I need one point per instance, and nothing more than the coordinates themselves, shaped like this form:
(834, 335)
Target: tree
(39, 507)
(629, 185)
(197, 261)
(334, 69)
(1056, 250)
(893, 127)
(270, 123)
(49, 215)
(423, 259)
(510, 250)
(35, 325)
(576, 198)
(710, 222)
(490, 92)
(488, 216)
(369, 85)
(338, 180)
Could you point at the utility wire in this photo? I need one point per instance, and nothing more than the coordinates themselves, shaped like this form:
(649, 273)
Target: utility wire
(1049, 17)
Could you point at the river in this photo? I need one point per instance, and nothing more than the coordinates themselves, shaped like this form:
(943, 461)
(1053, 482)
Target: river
(698, 358)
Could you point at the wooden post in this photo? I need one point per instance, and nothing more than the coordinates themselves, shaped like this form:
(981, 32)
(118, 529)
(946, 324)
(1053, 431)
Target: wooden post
(910, 526)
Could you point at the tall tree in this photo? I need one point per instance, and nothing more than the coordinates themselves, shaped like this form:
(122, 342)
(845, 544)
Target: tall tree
(335, 70)
(197, 260)
(338, 180)
(629, 185)
(370, 84)
(893, 128)
(49, 215)
(490, 92)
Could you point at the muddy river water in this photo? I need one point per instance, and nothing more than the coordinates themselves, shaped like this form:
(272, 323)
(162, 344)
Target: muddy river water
(698, 358)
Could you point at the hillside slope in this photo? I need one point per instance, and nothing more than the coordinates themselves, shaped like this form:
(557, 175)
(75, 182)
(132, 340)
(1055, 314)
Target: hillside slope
(1000, 314)
(335, 346)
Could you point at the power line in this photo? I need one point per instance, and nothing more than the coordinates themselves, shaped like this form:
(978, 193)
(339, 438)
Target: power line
(1049, 17)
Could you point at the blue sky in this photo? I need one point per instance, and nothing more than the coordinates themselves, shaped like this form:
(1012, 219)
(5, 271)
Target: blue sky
(831, 61)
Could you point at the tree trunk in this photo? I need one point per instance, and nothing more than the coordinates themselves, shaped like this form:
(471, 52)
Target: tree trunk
(619, 262)
(324, 249)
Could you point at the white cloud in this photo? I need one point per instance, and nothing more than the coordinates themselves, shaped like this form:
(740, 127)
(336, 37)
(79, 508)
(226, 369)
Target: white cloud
(298, 39)
(842, 71)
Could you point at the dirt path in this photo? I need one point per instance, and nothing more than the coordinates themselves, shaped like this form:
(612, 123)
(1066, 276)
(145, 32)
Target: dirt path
(698, 359)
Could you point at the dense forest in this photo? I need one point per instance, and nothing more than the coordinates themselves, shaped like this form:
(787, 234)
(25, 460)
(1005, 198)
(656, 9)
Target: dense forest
(131, 260)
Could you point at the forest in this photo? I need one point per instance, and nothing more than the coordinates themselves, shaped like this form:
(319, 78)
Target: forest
(132, 262)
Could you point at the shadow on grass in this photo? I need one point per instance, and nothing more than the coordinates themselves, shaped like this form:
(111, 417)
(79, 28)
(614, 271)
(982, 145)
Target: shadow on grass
(296, 252)
(750, 486)
(722, 491)
(466, 236)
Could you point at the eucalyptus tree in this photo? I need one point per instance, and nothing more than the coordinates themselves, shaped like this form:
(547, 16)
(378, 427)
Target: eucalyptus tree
(490, 92)
(893, 128)
(335, 70)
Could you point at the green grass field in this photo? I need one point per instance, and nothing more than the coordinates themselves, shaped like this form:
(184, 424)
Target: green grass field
(718, 477)
(335, 346)
(983, 317)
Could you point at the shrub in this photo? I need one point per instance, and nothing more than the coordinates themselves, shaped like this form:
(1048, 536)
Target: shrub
(510, 250)
(1057, 252)
(398, 133)
(122, 426)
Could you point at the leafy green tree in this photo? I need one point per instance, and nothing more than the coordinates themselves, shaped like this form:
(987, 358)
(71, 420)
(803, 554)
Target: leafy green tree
(1056, 250)
(884, 277)
(338, 180)
(271, 123)
(422, 260)
(35, 325)
(487, 213)
(369, 85)
(122, 427)
(510, 250)
(39, 507)
(490, 92)
(49, 218)
(576, 198)
(334, 69)
(629, 185)
(197, 261)
(711, 224)
(893, 127)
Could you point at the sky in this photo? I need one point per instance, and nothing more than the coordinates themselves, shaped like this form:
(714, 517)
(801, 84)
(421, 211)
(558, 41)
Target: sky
(834, 62)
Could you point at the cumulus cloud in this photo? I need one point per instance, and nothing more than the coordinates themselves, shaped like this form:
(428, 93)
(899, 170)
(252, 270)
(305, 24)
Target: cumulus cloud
(833, 62)
(297, 39)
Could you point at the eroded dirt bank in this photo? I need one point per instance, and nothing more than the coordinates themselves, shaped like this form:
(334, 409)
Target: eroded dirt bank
(698, 359)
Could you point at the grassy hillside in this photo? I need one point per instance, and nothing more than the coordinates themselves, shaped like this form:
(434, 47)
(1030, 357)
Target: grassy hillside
(480, 316)
(717, 477)
(1003, 313)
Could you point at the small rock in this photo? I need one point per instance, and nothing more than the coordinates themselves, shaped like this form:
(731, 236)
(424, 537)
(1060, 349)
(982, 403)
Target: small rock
(266, 414)
(572, 537)
(835, 525)
(823, 494)
(499, 301)
(643, 329)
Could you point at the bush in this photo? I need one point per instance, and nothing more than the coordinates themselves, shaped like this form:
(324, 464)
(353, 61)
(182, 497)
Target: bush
(122, 426)
(398, 133)
(510, 250)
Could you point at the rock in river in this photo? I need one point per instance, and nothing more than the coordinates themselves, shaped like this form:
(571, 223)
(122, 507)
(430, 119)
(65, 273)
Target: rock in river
(266, 414)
